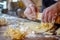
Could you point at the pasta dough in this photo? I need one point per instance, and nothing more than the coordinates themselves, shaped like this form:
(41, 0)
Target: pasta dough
(3, 21)
(14, 33)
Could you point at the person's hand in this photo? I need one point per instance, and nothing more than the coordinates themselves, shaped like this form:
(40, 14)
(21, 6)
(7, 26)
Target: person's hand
(49, 14)
(31, 12)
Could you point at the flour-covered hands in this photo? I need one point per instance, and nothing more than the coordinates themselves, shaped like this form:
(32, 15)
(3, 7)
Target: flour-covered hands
(31, 12)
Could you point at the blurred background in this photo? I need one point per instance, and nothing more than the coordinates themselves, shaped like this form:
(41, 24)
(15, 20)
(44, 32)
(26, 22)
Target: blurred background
(15, 7)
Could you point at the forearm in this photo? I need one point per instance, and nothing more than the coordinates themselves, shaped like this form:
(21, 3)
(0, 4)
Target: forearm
(58, 6)
(27, 2)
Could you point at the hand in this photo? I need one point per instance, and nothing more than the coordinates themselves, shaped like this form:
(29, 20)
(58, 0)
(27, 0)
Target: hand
(49, 14)
(31, 12)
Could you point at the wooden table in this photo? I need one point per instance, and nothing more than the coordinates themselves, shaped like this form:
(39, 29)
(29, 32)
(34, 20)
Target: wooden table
(15, 19)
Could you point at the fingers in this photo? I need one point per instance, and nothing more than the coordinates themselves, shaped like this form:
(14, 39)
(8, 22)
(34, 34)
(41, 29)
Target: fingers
(49, 16)
(30, 14)
(54, 17)
(27, 12)
(45, 16)
(33, 10)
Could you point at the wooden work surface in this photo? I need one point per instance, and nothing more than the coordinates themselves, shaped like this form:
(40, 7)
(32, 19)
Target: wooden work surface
(14, 20)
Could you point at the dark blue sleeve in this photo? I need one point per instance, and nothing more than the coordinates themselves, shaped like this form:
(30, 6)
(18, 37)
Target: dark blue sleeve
(48, 3)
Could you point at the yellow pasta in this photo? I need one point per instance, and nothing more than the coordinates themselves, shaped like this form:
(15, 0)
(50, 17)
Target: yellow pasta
(14, 33)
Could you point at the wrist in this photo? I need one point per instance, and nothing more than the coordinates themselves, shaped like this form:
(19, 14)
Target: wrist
(27, 2)
(31, 4)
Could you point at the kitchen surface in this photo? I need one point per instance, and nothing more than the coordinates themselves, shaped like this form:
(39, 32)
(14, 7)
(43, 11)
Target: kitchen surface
(35, 32)
(14, 25)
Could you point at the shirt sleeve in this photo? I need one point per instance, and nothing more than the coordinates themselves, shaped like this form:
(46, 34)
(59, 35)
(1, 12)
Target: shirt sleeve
(48, 3)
